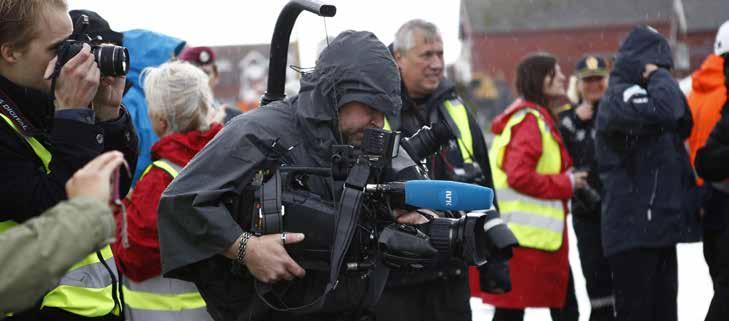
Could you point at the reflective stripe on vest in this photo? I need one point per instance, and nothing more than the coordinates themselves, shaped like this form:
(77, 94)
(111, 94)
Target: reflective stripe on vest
(457, 111)
(86, 289)
(536, 223)
(161, 298)
(386, 126)
(38, 148)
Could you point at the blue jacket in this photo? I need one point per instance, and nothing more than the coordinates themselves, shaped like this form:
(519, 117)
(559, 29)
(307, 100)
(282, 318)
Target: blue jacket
(146, 49)
(650, 198)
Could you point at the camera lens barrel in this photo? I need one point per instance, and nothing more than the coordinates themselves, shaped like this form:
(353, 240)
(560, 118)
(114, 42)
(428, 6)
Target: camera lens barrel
(442, 232)
(112, 60)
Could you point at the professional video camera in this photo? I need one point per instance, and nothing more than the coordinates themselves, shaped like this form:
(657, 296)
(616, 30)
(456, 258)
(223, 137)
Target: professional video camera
(359, 232)
(112, 60)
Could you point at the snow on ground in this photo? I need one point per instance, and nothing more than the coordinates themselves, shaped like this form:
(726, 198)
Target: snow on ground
(694, 287)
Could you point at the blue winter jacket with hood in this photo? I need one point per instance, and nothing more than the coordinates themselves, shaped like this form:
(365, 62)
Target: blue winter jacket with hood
(650, 197)
(146, 49)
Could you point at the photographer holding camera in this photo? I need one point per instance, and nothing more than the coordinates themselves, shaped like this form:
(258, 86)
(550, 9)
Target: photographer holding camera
(59, 110)
(428, 99)
(204, 239)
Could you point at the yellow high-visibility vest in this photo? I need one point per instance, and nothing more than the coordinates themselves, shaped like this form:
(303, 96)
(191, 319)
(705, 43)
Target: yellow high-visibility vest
(159, 298)
(87, 288)
(536, 223)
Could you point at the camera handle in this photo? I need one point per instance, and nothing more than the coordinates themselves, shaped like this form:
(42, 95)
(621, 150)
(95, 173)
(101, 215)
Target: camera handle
(280, 44)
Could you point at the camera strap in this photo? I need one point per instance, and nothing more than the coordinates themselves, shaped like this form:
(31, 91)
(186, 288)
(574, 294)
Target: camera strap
(345, 227)
(9, 109)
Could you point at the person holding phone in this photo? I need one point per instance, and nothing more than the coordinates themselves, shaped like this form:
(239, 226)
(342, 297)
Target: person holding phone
(37, 253)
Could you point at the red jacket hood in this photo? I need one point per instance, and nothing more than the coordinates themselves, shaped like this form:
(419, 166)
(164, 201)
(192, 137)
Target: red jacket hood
(499, 123)
(181, 147)
(710, 76)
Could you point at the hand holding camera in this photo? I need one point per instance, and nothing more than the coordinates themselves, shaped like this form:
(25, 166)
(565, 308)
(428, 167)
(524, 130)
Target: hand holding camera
(77, 81)
(108, 98)
(76, 73)
(266, 257)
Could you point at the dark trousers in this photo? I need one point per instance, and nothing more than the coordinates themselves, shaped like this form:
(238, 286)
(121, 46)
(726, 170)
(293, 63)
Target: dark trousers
(646, 284)
(716, 253)
(439, 299)
(595, 268)
(568, 313)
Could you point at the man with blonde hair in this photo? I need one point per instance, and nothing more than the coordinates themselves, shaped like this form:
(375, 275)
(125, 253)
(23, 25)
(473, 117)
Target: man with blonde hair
(55, 118)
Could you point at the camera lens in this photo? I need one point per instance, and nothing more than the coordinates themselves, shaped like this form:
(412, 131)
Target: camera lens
(426, 141)
(112, 60)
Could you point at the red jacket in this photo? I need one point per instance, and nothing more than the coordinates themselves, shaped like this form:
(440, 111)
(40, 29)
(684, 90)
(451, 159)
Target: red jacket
(141, 260)
(538, 278)
(708, 95)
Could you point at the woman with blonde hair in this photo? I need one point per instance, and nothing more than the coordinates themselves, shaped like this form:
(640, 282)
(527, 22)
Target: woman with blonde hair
(180, 110)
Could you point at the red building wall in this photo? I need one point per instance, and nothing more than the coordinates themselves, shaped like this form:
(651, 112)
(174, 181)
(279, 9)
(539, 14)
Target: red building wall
(498, 54)
(701, 44)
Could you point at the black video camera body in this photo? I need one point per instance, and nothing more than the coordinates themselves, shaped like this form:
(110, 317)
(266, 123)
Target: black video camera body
(112, 60)
(405, 247)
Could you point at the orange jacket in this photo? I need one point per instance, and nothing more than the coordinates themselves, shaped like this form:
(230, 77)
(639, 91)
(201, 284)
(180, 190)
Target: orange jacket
(708, 95)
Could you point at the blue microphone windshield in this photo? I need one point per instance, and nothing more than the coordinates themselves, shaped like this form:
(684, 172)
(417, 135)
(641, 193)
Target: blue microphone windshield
(447, 195)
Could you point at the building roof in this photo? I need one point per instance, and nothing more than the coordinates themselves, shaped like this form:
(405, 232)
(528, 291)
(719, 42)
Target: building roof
(529, 15)
(705, 15)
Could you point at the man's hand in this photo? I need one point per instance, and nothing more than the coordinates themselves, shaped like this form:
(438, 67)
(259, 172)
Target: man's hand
(77, 81)
(107, 101)
(267, 259)
(648, 70)
(94, 179)
(584, 111)
(404, 217)
(579, 179)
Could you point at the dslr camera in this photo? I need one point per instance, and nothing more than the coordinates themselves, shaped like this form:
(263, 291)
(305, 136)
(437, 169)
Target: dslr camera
(112, 60)
(429, 140)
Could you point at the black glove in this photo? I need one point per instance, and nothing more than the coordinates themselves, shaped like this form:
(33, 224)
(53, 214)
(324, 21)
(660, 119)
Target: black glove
(494, 277)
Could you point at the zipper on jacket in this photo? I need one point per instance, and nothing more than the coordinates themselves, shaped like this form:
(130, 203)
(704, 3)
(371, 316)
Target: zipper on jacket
(653, 195)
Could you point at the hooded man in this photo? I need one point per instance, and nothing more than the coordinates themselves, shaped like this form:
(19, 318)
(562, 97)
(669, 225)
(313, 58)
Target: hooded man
(354, 86)
(649, 201)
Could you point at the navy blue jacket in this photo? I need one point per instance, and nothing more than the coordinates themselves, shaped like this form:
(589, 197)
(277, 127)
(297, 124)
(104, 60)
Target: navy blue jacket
(650, 196)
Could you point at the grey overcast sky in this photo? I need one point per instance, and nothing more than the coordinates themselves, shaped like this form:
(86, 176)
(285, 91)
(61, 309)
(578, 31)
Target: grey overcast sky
(228, 22)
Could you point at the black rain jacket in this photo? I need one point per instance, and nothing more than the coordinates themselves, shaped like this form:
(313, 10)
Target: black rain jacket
(650, 196)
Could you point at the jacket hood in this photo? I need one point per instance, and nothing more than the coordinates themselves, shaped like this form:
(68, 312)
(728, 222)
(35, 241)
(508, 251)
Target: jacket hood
(148, 49)
(356, 66)
(644, 45)
(181, 147)
(710, 76)
(499, 123)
